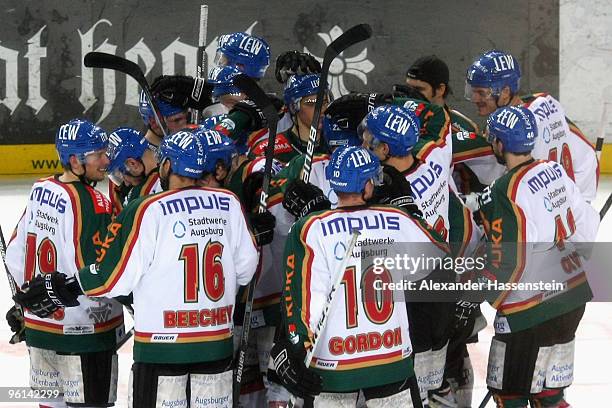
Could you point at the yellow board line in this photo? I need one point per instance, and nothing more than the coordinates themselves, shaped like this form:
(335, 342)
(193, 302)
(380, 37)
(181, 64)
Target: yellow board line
(42, 159)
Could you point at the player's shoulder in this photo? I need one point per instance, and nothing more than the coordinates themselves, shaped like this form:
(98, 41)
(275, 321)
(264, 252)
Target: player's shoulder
(531, 98)
(419, 107)
(508, 184)
(463, 123)
(282, 145)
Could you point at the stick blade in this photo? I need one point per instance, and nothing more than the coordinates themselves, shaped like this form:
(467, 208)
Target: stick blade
(257, 95)
(353, 35)
(110, 61)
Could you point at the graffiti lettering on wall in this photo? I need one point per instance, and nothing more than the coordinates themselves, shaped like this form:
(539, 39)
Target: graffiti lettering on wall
(358, 66)
(140, 52)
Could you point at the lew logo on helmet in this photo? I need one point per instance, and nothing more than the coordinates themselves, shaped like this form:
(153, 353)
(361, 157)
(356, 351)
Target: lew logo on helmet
(507, 118)
(68, 132)
(503, 62)
(182, 139)
(250, 44)
(212, 137)
(114, 139)
(397, 124)
(359, 158)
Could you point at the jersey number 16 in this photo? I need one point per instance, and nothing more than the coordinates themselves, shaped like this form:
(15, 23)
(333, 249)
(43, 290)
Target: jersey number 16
(211, 271)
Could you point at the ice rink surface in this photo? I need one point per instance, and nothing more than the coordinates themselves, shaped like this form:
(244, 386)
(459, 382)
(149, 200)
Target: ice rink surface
(593, 366)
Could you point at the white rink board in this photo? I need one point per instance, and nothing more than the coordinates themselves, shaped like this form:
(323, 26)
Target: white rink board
(592, 377)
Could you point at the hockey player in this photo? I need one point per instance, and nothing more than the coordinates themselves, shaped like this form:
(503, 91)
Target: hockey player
(224, 92)
(340, 369)
(174, 116)
(391, 132)
(493, 81)
(65, 220)
(533, 228)
(132, 168)
(300, 97)
(430, 75)
(183, 340)
(299, 198)
(224, 168)
(249, 53)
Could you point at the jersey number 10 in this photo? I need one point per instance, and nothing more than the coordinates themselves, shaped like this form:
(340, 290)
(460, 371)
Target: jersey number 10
(46, 257)
(377, 304)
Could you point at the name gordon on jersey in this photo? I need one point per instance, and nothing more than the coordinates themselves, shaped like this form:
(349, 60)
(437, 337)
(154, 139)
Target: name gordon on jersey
(198, 318)
(363, 342)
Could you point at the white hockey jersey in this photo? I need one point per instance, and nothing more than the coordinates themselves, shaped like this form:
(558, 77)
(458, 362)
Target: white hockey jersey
(533, 215)
(61, 230)
(366, 340)
(429, 180)
(182, 253)
(558, 142)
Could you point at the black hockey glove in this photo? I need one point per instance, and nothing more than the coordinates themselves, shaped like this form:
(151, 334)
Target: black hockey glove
(395, 190)
(464, 312)
(407, 91)
(295, 63)
(302, 198)
(263, 227)
(183, 91)
(251, 190)
(288, 361)
(14, 318)
(255, 114)
(352, 108)
(45, 294)
(277, 102)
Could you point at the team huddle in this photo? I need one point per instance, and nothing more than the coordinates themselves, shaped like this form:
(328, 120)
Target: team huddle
(181, 233)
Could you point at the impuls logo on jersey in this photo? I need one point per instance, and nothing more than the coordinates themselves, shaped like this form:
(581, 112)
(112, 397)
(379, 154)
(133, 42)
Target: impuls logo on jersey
(179, 229)
(546, 135)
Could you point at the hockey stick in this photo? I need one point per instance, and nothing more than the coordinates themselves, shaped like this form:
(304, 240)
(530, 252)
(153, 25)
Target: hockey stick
(328, 304)
(606, 207)
(110, 61)
(601, 134)
(13, 285)
(354, 35)
(486, 399)
(258, 96)
(598, 149)
(202, 58)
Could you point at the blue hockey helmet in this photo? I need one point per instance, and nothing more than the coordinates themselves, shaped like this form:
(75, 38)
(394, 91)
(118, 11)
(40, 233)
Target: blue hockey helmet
(396, 126)
(515, 127)
(351, 167)
(222, 78)
(185, 152)
(123, 143)
(337, 133)
(495, 70)
(297, 87)
(79, 137)
(146, 111)
(239, 139)
(217, 147)
(250, 54)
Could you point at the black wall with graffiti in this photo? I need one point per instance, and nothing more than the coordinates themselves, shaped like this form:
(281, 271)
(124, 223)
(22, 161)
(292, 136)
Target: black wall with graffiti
(42, 43)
